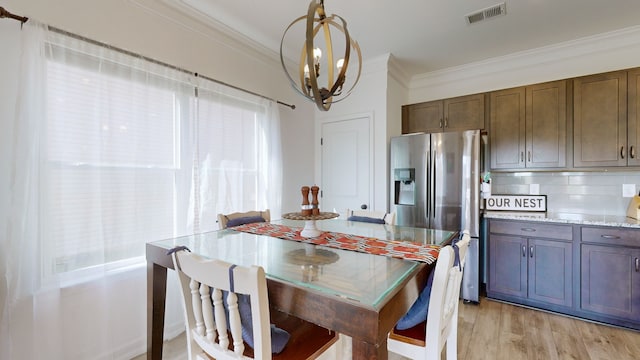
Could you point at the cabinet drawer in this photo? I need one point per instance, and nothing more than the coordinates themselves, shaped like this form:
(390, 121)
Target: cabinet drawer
(611, 236)
(528, 229)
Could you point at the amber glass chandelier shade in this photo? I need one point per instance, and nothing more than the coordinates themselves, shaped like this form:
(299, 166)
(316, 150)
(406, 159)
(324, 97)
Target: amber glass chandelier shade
(322, 77)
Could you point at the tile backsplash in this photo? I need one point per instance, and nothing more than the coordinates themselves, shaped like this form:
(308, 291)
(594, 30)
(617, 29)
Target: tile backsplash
(592, 193)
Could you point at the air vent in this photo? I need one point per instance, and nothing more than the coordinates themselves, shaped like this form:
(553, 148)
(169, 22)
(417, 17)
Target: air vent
(490, 12)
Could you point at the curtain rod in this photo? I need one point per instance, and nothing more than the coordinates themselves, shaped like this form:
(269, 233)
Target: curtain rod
(5, 13)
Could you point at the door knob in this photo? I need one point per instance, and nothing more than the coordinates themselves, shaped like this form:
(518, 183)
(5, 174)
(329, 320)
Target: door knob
(363, 206)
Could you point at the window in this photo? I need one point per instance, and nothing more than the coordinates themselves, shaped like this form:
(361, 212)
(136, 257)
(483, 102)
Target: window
(131, 155)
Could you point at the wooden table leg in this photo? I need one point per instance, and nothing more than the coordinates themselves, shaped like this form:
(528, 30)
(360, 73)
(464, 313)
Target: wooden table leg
(362, 350)
(156, 298)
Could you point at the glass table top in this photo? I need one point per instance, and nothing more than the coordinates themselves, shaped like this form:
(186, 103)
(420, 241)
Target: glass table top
(351, 275)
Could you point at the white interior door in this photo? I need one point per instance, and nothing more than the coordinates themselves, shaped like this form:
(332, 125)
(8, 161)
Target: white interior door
(346, 164)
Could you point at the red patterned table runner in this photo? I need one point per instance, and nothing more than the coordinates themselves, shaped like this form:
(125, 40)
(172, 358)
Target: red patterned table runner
(392, 248)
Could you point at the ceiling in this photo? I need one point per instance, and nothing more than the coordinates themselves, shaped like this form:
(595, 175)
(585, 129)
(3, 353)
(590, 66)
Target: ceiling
(426, 35)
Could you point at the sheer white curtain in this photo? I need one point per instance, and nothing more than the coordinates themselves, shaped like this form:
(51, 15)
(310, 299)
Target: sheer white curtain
(237, 157)
(106, 152)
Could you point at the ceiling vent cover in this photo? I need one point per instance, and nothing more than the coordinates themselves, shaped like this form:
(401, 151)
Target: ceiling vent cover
(484, 14)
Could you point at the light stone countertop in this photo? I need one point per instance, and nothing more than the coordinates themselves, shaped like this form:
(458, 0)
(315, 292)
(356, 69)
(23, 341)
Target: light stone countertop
(566, 218)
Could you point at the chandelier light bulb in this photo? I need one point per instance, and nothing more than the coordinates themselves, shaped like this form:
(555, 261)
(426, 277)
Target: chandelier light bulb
(340, 64)
(317, 54)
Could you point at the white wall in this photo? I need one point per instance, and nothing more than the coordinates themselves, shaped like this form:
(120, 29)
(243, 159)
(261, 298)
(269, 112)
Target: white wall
(397, 95)
(368, 98)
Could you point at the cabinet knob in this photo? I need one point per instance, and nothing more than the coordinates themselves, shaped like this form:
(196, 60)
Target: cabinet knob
(622, 152)
(521, 156)
(531, 252)
(524, 251)
(637, 265)
(528, 229)
(529, 155)
(632, 152)
(440, 124)
(446, 122)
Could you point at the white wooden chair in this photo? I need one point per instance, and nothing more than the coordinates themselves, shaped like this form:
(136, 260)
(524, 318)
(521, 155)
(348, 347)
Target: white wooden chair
(238, 218)
(427, 339)
(203, 282)
(389, 218)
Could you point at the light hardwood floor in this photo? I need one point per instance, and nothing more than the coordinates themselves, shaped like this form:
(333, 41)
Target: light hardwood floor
(494, 330)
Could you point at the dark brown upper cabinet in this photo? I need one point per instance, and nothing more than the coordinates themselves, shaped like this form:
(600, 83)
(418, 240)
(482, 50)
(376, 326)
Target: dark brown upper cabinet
(455, 114)
(529, 127)
(600, 120)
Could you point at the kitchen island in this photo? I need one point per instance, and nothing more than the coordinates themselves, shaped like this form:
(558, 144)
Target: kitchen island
(581, 265)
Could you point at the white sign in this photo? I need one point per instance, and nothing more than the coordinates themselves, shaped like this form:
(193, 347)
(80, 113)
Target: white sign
(517, 203)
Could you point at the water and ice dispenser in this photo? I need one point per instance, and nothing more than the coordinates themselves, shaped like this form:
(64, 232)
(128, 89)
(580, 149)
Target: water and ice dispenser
(405, 186)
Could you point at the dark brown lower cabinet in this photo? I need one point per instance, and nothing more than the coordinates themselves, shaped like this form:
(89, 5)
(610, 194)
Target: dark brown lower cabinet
(527, 269)
(610, 273)
(592, 272)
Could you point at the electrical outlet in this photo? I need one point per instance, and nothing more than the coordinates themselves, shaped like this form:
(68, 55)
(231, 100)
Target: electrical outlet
(628, 190)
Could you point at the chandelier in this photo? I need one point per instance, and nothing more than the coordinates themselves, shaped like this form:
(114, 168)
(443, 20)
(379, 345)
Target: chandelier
(309, 81)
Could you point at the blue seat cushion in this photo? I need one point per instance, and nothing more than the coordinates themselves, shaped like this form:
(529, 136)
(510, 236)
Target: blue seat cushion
(366, 219)
(244, 220)
(420, 308)
(279, 337)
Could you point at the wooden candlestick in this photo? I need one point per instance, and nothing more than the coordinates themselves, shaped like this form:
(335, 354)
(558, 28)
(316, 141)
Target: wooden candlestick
(315, 210)
(305, 209)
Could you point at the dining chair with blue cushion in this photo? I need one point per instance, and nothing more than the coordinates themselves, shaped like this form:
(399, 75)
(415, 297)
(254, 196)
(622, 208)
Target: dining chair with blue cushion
(241, 218)
(227, 314)
(375, 217)
(432, 321)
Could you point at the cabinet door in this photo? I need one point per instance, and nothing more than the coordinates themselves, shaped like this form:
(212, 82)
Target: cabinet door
(508, 129)
(550, 271)
(633, 120)
(610, 281)
(546, 125)
(600, 120)
(508, 265)
(464, 113)
(422, 117)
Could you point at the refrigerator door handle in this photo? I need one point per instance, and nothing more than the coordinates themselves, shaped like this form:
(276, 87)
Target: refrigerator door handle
(427, 193)
(434, 185)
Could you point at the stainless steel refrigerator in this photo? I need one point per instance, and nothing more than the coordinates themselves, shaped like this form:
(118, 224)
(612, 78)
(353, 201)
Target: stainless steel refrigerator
(435, 183)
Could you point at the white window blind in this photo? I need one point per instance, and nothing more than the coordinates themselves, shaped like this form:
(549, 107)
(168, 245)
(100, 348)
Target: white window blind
(132, 156)
(112, 153)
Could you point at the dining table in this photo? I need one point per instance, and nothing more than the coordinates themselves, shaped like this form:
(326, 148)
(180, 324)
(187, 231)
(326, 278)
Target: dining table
(336, 280)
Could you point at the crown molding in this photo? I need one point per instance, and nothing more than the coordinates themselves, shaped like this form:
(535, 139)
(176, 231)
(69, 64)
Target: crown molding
(375, 65)
(397, 72)
(575, 50)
